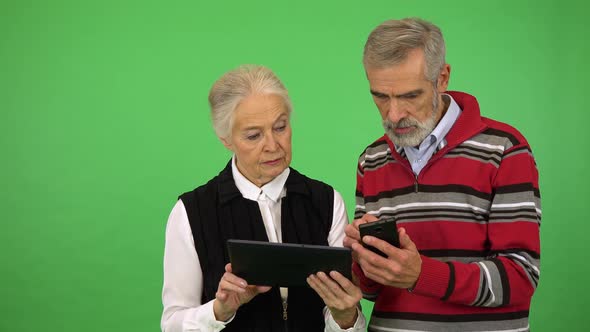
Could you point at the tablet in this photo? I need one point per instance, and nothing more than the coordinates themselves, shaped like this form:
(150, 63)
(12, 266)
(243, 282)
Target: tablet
(285, 264)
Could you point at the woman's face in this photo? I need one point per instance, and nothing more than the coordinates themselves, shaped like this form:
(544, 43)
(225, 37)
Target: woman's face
(261, 137)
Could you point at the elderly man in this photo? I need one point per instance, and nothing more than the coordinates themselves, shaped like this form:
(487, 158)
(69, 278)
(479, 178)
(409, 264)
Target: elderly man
(464, 190)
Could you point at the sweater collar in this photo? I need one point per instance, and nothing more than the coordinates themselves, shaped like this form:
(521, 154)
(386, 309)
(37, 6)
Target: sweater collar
(469, 122)
(467, 125)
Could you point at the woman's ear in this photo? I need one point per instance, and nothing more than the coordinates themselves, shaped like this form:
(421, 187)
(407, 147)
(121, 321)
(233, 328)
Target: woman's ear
(227, 143)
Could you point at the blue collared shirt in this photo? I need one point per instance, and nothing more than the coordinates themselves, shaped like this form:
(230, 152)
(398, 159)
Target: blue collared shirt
(418, 157)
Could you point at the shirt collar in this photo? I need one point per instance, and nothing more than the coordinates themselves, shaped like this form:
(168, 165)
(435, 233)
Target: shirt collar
(273, 190)
(445, 124)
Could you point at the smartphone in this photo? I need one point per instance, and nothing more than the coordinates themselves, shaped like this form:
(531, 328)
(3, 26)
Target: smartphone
(384, 229)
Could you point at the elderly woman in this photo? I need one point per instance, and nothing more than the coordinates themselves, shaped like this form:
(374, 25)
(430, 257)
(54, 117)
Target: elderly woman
(256, 197)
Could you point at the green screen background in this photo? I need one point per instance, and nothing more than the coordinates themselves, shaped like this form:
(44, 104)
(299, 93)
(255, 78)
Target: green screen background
(104, 121)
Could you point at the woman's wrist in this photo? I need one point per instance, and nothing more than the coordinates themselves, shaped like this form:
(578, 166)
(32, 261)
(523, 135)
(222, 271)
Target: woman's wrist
(221, 315)
(345, 318)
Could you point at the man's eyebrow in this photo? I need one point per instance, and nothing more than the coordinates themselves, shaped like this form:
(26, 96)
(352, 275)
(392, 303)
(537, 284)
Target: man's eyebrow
(377, 93)
(416, 92)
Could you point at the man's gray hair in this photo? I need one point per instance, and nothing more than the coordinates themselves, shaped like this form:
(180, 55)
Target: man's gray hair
(236, 85)
(390, 42)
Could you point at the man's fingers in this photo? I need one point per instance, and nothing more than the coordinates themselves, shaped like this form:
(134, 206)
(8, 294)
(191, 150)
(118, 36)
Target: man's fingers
(355, 280)
(348, 241)
(373, 264)
(351, 231)
(369, 217)
(404, 240)
(381, 245)
(360, 251)
(375, 267)
(375, 277)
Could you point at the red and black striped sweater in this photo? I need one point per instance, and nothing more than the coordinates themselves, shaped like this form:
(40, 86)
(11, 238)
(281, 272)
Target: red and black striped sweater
(473, 212)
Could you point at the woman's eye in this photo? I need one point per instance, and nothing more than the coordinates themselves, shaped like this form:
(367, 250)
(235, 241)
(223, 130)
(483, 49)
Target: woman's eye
(280, 128)
(252, 137)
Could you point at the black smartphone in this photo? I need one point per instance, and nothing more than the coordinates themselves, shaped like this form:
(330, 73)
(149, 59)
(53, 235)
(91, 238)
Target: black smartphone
(384, 229)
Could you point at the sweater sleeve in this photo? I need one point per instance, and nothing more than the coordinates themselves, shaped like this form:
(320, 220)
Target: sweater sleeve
(510, 273)
(369, 288)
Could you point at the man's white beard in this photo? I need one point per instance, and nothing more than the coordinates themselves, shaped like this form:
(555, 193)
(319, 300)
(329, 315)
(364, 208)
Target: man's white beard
(421, 131)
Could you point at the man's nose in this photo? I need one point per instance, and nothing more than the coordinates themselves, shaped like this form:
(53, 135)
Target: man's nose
(396, 110)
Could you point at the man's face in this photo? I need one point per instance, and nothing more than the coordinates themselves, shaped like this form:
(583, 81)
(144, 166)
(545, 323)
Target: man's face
(409, 104)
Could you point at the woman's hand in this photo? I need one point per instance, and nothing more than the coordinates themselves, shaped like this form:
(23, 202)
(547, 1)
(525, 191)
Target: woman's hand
(340, 295)
(232, 292)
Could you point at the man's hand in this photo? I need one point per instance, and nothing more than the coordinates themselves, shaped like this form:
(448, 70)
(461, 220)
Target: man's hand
(400, 269)
(232, 292)
(353, 235)
(339, 294)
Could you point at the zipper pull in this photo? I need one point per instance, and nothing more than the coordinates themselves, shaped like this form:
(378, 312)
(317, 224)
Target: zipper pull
(284, 309)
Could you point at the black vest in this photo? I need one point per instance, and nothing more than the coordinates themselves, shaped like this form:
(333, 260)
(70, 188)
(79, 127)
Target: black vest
(217, 212)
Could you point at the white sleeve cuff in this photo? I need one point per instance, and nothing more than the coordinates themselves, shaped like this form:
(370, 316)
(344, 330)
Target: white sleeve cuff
(332, 326)
(205, 318)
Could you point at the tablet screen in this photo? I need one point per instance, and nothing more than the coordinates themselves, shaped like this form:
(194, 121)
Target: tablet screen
(285, 264)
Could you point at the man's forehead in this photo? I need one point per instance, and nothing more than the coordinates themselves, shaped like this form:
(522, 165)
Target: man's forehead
(397, 80)
(396, 73)
(412, 69)
(398, 85)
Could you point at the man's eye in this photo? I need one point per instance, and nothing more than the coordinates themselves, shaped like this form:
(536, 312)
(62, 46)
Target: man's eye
(411, 96)
(281, 128)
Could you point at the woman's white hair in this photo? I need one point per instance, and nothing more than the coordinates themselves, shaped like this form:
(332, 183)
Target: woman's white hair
(390, 42)
(236, 85)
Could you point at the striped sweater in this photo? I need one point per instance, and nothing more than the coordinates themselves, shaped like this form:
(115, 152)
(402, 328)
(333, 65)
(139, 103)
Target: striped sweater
(473, 212)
